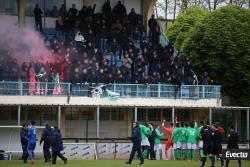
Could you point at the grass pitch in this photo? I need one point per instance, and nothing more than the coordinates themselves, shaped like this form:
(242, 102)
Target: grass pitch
(117, 163)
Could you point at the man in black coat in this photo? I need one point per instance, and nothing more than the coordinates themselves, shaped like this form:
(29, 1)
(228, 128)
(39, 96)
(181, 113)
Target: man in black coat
(217, 143)
(46, 138)
(233, 143)
(57, 146)
(24, 142)
(136, 139)
(207, 138)
(38, 18)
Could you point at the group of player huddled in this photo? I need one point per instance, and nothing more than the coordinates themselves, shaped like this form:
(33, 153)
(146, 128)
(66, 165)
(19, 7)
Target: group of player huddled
(184, 139)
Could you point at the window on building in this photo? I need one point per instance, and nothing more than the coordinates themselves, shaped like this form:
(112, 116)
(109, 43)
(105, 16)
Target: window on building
(8, 7)
(117, 114)
(167, 114)
(8, 113)
(73, 113)
(88, 113)
(40, 114)
(154, 114)
(141, 114)
(104, 113)
(183, 115)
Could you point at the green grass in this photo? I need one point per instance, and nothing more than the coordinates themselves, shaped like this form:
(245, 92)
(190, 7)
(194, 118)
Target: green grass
(116, 163)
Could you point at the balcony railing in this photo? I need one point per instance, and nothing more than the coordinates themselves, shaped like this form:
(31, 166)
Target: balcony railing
(125, 90)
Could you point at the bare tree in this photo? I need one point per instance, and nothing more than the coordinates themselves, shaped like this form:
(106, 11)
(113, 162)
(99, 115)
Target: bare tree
(241, 3)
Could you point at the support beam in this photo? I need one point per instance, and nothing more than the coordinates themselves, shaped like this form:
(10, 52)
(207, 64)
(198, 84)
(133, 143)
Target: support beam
(210, 116)
(59, 117)
(236, 119)
(173, 115)
(98, 122)
(129, 114)
(19, 115)
(135, 114)
(63, 130)
(248, 138)
(21, 12)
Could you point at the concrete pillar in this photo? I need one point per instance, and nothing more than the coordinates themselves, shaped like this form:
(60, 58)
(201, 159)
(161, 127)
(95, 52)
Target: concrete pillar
(248, 138)
(63, 123)
(97, 121)
(88, 3)
(148, 7)
(19, 115)
(210, 116)
(236, 119)
(129, 119)
(135, 114)
(21, 12)
(173, 115)
(59, 117)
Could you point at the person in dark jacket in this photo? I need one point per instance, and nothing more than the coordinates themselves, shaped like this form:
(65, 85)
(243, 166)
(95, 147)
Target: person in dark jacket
(57, 146)
(24, 142)
(233, 143)
(217, 142)
(136, 139)
(38, 18)
(207, 138)
(46, 138)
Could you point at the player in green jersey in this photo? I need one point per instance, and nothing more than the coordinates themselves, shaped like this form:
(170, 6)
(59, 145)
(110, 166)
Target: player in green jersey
(200, 142)
(158, 146)
(175, 137)
(192, 136)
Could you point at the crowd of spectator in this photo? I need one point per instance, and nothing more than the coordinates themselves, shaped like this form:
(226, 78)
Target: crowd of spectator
(117, 50)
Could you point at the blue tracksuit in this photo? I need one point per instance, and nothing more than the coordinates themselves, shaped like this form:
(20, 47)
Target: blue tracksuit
(32, 142)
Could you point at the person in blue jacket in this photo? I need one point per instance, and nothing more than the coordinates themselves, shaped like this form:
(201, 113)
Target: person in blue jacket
(46, 138)
(136, 139)
(24, 142)
(32, 141)
(57, 146)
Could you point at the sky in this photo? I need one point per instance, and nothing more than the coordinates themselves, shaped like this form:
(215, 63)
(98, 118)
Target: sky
(161, 12)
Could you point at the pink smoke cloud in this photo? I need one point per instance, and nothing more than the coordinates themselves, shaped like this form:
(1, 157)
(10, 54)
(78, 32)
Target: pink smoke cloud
(26, 45)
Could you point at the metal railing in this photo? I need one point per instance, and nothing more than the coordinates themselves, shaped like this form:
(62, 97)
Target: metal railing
(125, 90)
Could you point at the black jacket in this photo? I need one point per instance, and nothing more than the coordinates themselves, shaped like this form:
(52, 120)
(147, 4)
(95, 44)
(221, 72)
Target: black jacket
(233, 140)
(24, 136)
(46, 135)
(136, 134)
(57, 142)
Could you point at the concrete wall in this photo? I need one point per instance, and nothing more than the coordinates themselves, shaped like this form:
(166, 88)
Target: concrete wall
(108, 129)
(86, 101)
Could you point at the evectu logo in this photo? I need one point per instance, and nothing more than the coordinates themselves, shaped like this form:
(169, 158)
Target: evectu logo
(239, 154)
